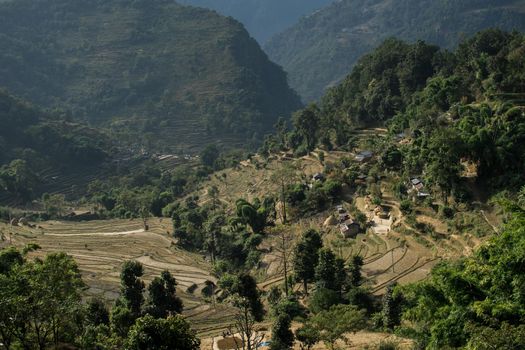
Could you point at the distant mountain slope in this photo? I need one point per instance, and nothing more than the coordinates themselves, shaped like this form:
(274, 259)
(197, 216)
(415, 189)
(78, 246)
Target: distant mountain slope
(29, 133)
(180, 74)
(262, 18)
(321, 49)
(33, 143)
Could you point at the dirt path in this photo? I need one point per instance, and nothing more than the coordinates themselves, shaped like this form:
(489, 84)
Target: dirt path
(488, 221)
(95, 233)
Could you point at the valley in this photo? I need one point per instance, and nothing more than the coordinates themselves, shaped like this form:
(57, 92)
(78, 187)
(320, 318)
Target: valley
(163, 186)
(395, 252)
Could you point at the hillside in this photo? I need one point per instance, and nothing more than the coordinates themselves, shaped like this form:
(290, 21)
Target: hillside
(33, 142)
(321, 49)
(168, 72)
(465, 105)
(262, 18)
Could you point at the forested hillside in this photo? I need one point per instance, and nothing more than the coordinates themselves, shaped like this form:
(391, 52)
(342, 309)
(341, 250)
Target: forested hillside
(453, 107)
(321, 49)
(32, 141)
(185, 74)
(262, 18)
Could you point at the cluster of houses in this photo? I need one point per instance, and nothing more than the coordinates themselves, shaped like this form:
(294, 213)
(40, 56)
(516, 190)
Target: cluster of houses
(348, 227)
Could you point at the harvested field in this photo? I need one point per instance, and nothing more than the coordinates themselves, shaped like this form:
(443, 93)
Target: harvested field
(100, 248)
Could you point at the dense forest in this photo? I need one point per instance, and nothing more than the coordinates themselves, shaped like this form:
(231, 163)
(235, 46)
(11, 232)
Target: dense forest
(321, 49)
(183, 73)
(262, 18)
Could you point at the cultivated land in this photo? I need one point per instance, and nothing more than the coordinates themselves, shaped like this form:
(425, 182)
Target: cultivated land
(100, 248)
(393, 250)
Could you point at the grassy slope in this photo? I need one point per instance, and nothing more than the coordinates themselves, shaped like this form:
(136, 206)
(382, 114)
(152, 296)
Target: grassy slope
(185, 71)
(321, 49)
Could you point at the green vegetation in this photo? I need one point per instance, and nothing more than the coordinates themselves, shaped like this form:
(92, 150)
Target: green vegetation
(164, 72)
(474, 302)
(41, 308)
(452, 107)
(321, 49)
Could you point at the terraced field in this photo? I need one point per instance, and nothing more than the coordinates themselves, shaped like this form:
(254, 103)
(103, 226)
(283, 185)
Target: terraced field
(100, 248)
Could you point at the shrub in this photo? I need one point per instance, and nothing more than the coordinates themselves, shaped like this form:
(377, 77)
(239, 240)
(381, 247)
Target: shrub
(405, 206)
(447, 212)
(323, 299)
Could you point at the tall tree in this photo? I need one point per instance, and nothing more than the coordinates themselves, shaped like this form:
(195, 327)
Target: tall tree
(356, 265)
(306, 122)
(163, 300)
(40, 302)
(282, 336)
(443, 163)
(306, 256)
(326, 270)
(131, 286)
(392, 304)
(245, 297)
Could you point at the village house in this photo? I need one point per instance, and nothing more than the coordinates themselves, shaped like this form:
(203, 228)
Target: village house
(364, 156)
(349, 228)
(417, 188)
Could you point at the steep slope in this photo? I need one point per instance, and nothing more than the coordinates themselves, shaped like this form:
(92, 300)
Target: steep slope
(321, 49)
(185, 75)
(33, 143)
(262, 18)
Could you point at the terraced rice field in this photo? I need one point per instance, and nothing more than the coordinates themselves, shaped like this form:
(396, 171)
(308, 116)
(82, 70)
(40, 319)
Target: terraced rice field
(100, 248)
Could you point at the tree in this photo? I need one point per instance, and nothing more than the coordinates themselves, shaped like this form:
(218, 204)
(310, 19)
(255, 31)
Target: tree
(282, 336)
(18, 179)
(306, 122)
(163, 300)
(40, 302)
(131, 286)
(334, 323)
(9, 258)
(97, 313)
(443, 166)
(391, 307)
(323, 299)
(284, 247)
(254, 215)
(54, 204)
(326, 270)
(121, 319)
(173, 333)
(306, 256)
(284, 176)
(280, 129)
(246, 299)
(356, 265)
(209, 155)
(213, 228)
(308, 336)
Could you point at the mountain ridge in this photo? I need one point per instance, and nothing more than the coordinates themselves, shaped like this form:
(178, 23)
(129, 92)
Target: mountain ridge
(331, 41)
(184, 73)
